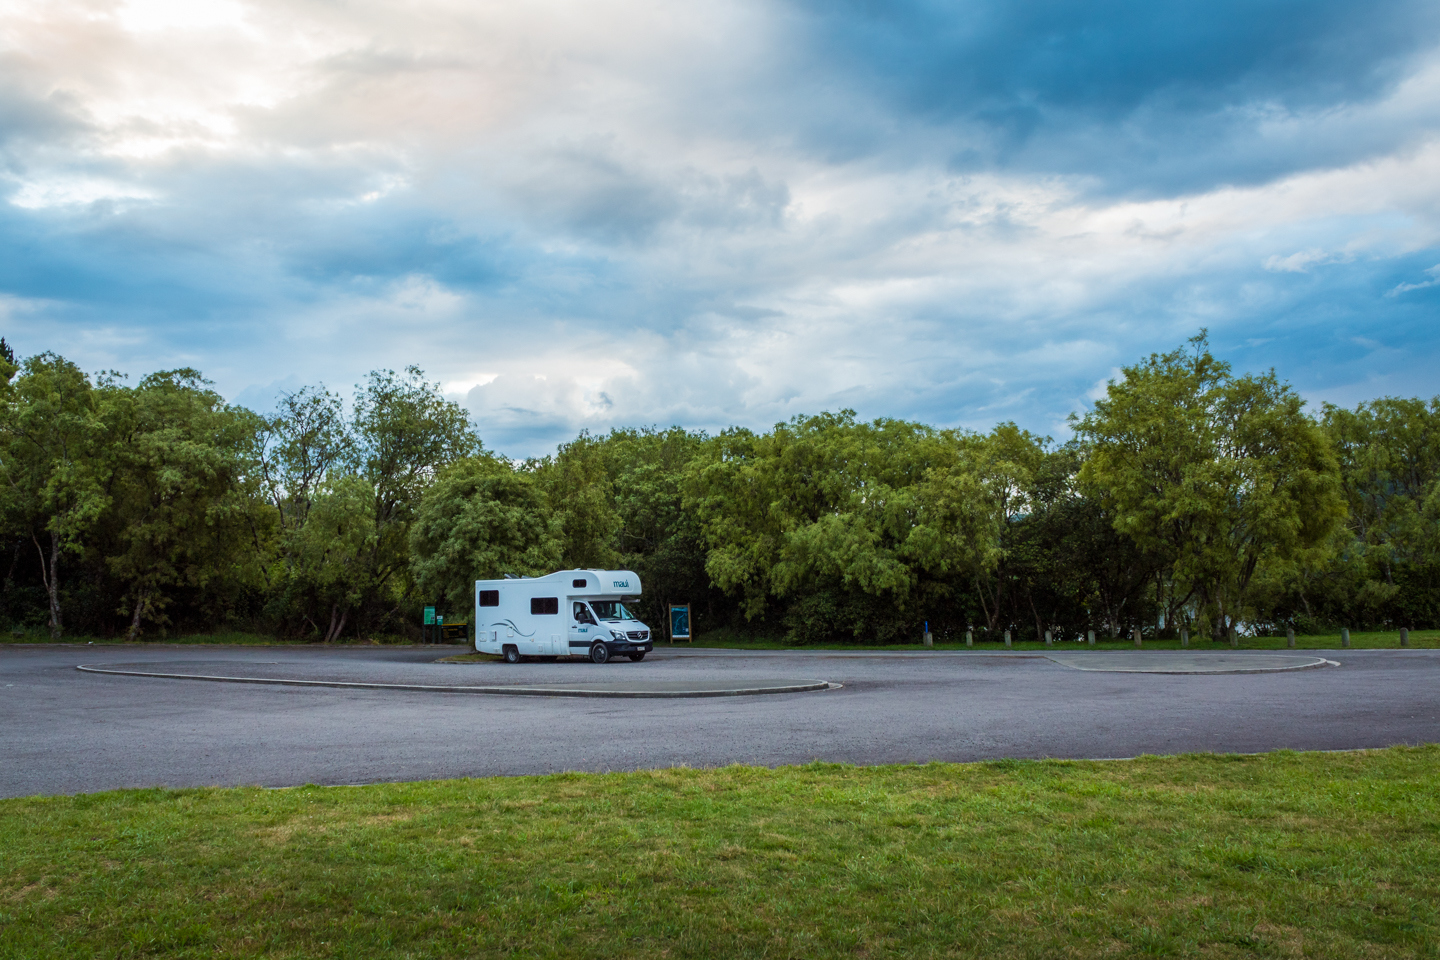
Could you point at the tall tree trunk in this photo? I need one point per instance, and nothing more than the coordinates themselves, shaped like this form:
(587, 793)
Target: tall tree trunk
(336, 627)
(51, 576)
(134, 632)
(14, 562)
(990, 618)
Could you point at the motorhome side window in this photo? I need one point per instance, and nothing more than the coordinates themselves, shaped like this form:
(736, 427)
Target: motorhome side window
(582, 613)
(489, 598)
(542, 605)
(578, 584)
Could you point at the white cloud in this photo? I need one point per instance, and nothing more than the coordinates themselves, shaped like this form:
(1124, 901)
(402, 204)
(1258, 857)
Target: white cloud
(1434, 273)
(72, 191)
(155, 15)
(606, 213)
(1302, 260)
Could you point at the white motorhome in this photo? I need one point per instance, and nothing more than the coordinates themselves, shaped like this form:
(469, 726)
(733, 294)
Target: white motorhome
(570, 613)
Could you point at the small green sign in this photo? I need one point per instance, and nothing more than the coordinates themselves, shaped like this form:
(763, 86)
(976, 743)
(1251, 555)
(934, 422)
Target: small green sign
(429, 616)
(439, 620)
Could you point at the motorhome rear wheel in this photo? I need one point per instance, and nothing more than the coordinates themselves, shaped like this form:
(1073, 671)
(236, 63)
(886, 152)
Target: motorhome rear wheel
(512, 655)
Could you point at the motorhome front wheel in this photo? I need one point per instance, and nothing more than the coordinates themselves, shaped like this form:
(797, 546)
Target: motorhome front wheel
(599, 653)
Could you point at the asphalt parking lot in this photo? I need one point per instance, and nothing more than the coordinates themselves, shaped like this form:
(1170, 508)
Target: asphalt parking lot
(66, 731)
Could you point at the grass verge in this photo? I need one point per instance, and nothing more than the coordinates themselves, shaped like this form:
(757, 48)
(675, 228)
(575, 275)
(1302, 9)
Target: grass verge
(1286, 854)
(222, 638)
(1377, 640)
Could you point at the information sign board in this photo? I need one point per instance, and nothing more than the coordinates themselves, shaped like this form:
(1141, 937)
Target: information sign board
(680, 622)
(429, 616)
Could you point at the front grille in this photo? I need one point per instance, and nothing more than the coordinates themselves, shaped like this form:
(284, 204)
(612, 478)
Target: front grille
(639, 634)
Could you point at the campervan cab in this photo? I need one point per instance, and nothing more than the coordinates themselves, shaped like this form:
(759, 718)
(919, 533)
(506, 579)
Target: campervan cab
(572, 613)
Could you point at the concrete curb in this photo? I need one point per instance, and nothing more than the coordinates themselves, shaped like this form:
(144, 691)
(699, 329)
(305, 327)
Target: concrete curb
(1316, 663)
(803, 686)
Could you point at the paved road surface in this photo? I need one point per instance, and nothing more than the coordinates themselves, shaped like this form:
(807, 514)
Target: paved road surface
(65, 731)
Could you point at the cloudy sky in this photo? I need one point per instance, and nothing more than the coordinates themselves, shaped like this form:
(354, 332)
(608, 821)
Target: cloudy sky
(627, 212)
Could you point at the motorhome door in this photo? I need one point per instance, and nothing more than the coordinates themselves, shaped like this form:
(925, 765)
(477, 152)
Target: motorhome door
(583, 629)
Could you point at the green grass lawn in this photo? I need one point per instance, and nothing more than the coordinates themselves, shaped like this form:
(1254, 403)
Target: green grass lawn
(224, 637)
(1281, 855)
(1419, 639)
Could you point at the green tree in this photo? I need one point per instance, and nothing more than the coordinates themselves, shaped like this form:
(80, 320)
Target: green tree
(576, 484)
(1388, 556)
(299, 452)
(1067, 564)
(178, 507)
(55, 463)
(329, 555)
(657, 536)
(482, 519)
(987, 492)
(1214, 473)
(855, 525)
(299, 449)
(405, 432)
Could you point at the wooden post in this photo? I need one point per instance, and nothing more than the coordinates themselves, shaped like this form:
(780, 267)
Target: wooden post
(1404, 636)
(1137, 637)
(1234, 638)
(929, 640)
(1345, 636)
(969, 637)
(1048, 641)
(1184, 637)
(1290, 637)
(1007, 639)
(1090, 635)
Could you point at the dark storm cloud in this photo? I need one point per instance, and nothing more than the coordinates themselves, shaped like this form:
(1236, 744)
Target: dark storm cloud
(1147, 96)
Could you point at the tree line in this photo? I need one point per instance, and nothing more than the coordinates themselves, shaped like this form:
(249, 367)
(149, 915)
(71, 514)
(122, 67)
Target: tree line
(1189, 497)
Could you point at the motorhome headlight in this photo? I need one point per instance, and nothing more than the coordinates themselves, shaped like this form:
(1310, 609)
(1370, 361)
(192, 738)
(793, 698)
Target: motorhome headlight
(617, 634)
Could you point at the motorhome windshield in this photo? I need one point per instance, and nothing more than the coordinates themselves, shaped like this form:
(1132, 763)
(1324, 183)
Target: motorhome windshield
(611, 610)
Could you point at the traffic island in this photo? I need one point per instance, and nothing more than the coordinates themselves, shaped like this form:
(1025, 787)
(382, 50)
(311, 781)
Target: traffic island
(238, 672)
